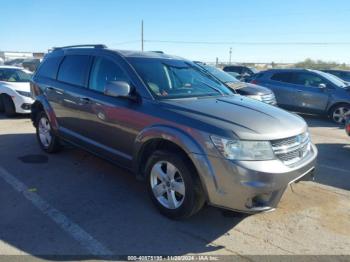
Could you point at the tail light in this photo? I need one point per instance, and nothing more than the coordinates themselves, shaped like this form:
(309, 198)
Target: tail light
(254, 81)
(348, 128)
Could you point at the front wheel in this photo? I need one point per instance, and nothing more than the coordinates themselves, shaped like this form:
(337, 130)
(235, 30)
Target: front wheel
(173, 185)
(48, 141)
(340, 113)
(8, 106)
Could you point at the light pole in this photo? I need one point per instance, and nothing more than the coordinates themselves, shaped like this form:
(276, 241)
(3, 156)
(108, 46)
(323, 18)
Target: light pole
(230, 55)
(142, 35)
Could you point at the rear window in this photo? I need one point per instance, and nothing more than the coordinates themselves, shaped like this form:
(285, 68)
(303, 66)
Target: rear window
(74, 69)
(49, 67)
(233, 69)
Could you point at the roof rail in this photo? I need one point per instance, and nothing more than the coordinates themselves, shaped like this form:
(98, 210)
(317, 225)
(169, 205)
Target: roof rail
(77, 46)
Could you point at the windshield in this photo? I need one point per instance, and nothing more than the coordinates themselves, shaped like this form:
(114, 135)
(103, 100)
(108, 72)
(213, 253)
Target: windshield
(334, 79)
(14, 75)
(219, 74)
(254, 70)
(168, 79)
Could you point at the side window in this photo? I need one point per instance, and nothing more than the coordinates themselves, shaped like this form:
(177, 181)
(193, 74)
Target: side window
(74, 69)
(282, 77)
(49, 67)
(336, 73)
(307, 79)
(346, 74)
(104, 71)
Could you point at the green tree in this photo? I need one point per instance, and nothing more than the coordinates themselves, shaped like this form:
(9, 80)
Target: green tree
(319, 64)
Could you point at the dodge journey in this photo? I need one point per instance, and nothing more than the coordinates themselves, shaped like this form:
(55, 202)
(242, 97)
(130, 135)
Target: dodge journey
(187, 135)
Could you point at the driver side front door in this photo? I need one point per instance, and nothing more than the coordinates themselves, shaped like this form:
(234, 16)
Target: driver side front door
(309, 96)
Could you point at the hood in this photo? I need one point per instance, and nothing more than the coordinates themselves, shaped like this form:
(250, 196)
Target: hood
(245, 89)
(237, 115)
(20, 86)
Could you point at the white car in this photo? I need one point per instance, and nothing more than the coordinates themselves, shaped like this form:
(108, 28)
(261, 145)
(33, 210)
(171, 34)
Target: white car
(15, 94)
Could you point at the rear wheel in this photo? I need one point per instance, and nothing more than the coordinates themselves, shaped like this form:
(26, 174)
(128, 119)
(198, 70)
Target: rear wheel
(340, 113)
(48, 141)
(9, 106)
(173, 185)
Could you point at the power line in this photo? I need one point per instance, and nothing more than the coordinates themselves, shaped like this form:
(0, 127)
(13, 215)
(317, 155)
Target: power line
(126, 42)
(247, 43)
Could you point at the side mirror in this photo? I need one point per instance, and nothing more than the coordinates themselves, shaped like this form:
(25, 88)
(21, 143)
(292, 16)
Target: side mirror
(117, 89)
(322, 86)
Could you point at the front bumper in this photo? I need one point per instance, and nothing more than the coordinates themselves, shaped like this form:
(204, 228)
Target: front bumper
(251, 186)
(22, 104)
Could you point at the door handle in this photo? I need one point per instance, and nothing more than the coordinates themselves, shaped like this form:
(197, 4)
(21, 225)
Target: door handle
(84, 100)
(58, 91)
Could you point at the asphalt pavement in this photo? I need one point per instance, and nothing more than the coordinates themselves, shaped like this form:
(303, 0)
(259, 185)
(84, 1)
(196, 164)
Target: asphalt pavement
(73, 203)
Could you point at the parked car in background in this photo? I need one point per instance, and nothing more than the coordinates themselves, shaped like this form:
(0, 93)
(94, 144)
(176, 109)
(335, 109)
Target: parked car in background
(341, 80)
(342, 74)
(177, 127)
(15, 94)
(246, 89)
(15, 62)
(31, 64)
(241, 72)
(308, 91)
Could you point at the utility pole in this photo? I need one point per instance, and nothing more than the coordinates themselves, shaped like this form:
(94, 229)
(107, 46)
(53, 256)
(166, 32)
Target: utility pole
(230, 54)
(142, 35)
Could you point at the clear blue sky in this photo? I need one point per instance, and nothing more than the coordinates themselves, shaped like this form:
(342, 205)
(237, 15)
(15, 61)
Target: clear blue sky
(37, 25)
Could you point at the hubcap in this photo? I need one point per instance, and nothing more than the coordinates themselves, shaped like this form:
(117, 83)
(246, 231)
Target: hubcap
(340, 114)
(167, 185)
(44, 132)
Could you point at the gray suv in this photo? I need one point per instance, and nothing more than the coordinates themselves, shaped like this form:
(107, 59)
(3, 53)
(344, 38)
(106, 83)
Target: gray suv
(308, 91)
(173, 125)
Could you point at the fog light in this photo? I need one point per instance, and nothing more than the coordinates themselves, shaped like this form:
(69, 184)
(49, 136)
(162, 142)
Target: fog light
(259, 201)
(26, 106)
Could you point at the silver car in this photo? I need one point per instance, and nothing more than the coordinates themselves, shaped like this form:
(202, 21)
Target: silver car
(176, 127)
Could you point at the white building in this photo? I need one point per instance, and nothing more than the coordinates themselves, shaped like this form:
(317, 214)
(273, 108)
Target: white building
(10, 55)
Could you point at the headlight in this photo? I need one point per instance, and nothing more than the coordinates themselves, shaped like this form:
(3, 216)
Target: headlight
(243, 150)
(23, 93)
(256, 97)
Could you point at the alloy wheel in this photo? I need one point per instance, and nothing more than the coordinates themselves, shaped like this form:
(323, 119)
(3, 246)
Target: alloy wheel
(45, 132)
(167, 185)
(340, 114)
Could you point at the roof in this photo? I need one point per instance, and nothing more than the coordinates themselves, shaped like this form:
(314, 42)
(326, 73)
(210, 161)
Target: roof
(288, 70)
(146, 54)
(124, 53)
(336, 70)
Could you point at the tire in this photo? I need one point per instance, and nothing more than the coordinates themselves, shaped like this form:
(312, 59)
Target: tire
(2, 108)
(173, 185)
(48, 141)
(339, 113)
(9, 106)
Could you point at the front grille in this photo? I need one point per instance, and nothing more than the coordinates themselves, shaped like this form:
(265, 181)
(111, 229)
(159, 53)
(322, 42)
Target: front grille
(269, 99)
(293, 149)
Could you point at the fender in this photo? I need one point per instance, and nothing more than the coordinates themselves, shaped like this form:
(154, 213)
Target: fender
(41, 99)
(6, 89)
(177, 136)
